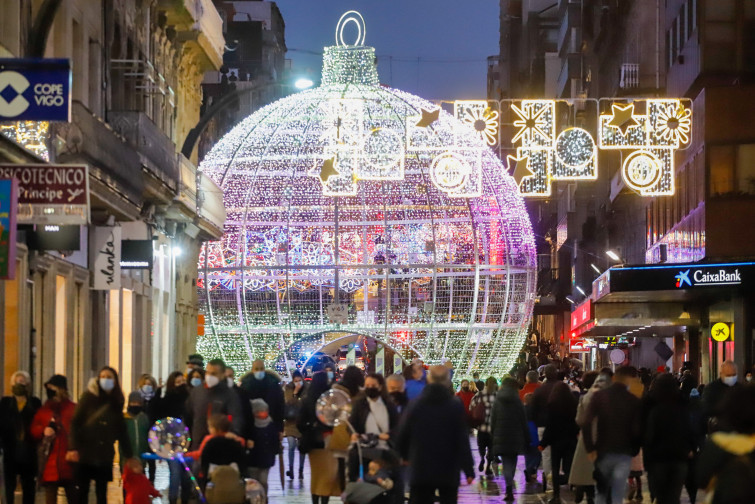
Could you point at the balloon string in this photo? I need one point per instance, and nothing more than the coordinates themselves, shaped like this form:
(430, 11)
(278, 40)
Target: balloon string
(180, 457)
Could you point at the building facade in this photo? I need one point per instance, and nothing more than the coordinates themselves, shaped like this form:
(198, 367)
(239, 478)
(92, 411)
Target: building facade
(700, 50)
(137, 69)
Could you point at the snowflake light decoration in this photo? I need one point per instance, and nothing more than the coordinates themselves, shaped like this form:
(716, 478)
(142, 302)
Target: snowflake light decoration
(362, 200)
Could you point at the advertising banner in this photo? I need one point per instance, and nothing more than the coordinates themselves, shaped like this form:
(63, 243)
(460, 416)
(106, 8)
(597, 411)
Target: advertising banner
(105, 257)
(8, 205)
(35, 89)
(50, 194)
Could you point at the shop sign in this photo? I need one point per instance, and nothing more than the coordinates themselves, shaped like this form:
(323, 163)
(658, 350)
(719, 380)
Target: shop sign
(581, 314)
(35, 89)
(578, 345)
(682, 276)
(106, 258)
(137, 254)
(50, 194)
(721, 331)
(8, 205)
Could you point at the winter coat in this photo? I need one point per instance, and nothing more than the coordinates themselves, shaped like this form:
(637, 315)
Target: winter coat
(511, 435)
(269, 390)
(18, 444)
(414, 388)
(560, 426)
(466, 399)
(137, 427)
(434, 438)
(539, 400)
(204, 401)
(360, 410)
(56, 468)
(293, 409)
(529, 388)
(96, 425)
(714, 394)
(266, 447)
(667, 434)
(727, 468)
(488, 399)
(173, 403)
(582, 468)
(618, 413)
(137, 488)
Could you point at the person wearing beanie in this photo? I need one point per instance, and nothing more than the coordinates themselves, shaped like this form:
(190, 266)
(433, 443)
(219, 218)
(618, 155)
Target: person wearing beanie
(137, 425)
(51, 427)
(266, 443)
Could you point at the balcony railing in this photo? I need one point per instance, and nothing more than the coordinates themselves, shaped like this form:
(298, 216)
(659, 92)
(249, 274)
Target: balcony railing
(630, 76)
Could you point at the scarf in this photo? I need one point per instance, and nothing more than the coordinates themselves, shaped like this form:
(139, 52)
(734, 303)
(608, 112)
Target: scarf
(261, 423)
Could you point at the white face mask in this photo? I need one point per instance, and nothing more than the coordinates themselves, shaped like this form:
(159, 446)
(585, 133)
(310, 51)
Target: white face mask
(729, 380)
(229, 380)
(211, 380)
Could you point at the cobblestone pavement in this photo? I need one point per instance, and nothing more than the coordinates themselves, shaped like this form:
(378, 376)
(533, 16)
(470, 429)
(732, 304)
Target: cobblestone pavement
(483, 490)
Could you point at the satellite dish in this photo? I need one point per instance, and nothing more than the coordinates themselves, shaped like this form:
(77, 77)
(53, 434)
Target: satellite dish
(333, 407)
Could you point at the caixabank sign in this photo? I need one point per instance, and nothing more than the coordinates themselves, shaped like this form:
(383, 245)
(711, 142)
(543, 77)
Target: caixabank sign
(683, 276)
(35, 90)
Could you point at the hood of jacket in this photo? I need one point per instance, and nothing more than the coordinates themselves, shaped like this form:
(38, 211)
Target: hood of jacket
(93, 387)
(734, 442)
(507, 394)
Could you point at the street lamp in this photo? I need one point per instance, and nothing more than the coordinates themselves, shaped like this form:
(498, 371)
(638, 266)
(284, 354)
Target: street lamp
(613, 255)
(581, 291)
(597, 270)
(303, 83)
(570, 300)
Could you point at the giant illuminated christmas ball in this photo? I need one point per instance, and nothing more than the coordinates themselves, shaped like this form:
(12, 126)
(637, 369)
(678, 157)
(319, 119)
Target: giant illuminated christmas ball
(354, 209)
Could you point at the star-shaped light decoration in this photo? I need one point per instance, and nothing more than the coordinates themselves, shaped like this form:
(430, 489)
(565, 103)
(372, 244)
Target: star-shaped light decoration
(533, 119)
(428, 117)
(328, 169)
(623, 117)
(519, 168)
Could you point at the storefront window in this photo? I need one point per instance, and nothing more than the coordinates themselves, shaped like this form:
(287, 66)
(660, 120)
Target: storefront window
(721, 169)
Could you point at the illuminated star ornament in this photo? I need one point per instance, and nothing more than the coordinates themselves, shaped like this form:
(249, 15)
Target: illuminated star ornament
(623, 118)
(428, 118)
(531, 119)
(328, 169)
(518, 166)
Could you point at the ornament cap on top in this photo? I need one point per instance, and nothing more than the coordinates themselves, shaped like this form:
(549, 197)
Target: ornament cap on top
(350, 63)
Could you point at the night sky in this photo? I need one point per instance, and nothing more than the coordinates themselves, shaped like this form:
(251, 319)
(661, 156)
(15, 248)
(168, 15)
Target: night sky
(454, 37)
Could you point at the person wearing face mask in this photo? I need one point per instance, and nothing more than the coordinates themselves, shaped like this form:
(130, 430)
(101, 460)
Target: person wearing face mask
(293, 394)
(716, 392)
(51, 425)
(748, 377)
(96, 425)
(374, 419)
(213, 398)
(195, 378)
(137, 426)
(20, 456)
(395, 385)
(150, 393)
(264, 384)
(173, 404)
(330, 372)
(195, 362)
(465, 394)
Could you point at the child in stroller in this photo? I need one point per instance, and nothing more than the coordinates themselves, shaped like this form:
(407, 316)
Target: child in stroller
(374, 488)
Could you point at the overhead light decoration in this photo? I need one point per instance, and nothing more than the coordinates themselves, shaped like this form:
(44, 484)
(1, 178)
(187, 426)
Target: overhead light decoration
(31, 135)
(364, 200)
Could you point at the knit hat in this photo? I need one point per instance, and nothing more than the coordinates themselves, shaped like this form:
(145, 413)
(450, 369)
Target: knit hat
(259, 405)
(59, 381)
(135, 397)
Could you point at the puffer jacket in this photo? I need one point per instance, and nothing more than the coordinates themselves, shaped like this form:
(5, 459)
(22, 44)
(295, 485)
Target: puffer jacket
(726, 468)
(96, 425)
(509, 421)
(61, 412)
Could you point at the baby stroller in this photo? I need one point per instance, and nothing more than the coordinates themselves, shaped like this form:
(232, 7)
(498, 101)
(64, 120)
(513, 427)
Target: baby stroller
(225, 486)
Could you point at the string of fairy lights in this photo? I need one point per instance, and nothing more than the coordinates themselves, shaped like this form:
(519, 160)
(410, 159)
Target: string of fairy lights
(367, 202)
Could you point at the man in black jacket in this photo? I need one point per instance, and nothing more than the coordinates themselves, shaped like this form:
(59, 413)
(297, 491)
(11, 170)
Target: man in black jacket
(716, 392)
(266, 385)
(213, 397)
(618, 414)
(540, 415)
(434, 439)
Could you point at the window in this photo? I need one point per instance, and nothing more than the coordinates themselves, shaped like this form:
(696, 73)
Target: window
(746, 168)
(721, 169)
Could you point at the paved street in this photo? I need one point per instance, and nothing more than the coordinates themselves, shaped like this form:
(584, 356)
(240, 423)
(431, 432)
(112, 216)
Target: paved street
(483, 490)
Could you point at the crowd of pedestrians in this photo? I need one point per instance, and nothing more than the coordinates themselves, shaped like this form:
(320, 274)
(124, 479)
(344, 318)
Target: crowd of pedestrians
(408, 434)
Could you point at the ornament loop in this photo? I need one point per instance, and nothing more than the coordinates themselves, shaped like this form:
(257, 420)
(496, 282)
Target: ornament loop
(355, 17)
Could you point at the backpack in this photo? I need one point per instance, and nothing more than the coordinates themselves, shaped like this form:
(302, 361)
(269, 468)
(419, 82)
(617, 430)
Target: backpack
(478, 413)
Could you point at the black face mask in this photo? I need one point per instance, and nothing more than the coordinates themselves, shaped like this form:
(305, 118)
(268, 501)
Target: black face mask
(372, 392)
(465, 389)
(19, 390)
(50, 393)
(398, 397)
(134, 410)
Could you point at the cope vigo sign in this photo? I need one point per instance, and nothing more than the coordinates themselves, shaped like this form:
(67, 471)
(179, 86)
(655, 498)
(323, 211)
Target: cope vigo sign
(35, 90)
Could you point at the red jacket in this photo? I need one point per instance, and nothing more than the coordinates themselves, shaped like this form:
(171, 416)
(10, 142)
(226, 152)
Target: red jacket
(529, 388)
(466, 398)
(137, 487)
(56, 468)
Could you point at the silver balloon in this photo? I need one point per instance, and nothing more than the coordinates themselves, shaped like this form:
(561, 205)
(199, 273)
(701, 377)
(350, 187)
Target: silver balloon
(169, 437)
(333, 407)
